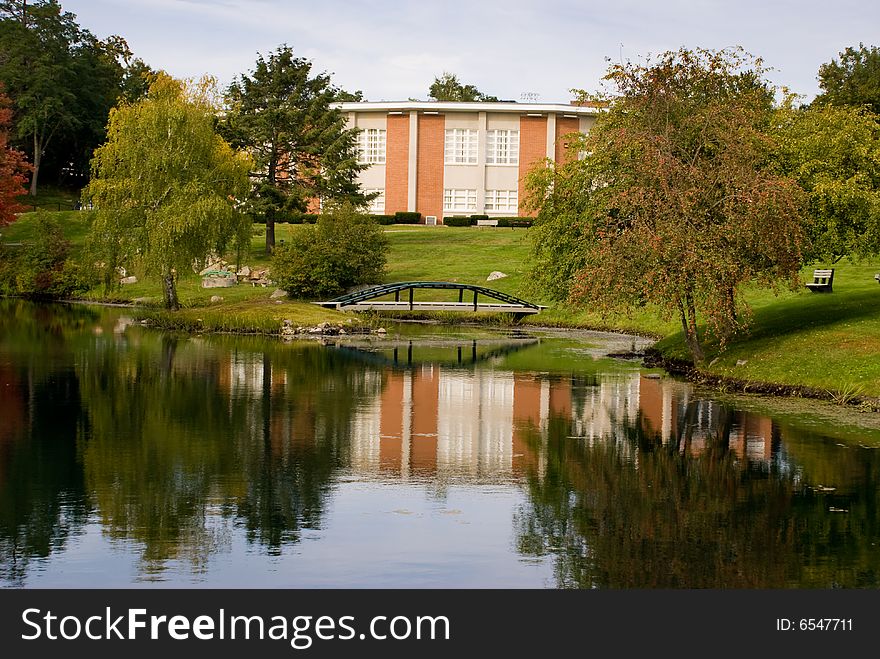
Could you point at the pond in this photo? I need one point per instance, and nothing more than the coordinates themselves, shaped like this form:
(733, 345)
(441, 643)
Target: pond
(430, 457)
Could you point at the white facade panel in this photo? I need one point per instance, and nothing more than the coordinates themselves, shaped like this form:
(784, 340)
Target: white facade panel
(371, 120)
(502, 177)
(373, 177)
(463, 120)
(586, 123)
(461, 176)
(502, 121)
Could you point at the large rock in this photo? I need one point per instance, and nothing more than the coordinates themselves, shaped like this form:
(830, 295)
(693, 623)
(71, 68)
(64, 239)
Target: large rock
(495, 275)
(214, 265)
(219, 282)
(278, 292)
(129, 280)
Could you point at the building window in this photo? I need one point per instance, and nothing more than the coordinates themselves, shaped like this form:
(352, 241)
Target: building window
(371, 146)
(377, 203)
(459, 200)
(460, 147)
(504, 201)
(502, 147)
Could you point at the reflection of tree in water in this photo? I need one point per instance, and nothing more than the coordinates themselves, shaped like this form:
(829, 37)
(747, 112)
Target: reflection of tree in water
(298, 442)
(630, 512)
(42, 499)
(174, 445)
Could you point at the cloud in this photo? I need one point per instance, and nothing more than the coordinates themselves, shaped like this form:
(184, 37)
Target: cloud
(392, 49)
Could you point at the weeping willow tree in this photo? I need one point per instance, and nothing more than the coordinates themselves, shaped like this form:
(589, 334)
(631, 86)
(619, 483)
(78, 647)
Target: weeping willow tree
(165, 185)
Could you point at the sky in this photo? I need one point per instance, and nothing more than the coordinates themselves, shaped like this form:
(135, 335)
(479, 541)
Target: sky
(534, 50)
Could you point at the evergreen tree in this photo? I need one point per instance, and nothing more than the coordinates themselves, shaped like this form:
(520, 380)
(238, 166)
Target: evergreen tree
(284, 116)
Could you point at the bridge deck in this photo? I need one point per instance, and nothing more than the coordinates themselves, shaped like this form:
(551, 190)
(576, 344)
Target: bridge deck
(391, 305)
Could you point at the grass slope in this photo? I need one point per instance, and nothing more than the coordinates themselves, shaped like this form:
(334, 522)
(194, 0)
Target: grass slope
(50, 198)
(823, 340)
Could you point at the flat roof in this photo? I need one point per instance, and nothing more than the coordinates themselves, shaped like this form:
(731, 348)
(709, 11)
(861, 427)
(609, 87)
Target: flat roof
(450, 106)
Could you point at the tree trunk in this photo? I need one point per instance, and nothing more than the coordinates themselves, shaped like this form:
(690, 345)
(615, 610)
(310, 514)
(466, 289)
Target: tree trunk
(270, 212)
(169, 290)
(36, 164)
(687, 312)
(270, 231)
(731, 321)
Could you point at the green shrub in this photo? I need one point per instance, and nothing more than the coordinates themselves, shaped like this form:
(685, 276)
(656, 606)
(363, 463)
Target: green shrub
(459, 221)
(523, 222)
(344, 248)
(479, 217)
(42, 268)
(406, 217)
(384, 220)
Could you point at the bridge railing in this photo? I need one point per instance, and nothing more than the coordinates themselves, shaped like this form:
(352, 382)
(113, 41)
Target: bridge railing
(396, 288)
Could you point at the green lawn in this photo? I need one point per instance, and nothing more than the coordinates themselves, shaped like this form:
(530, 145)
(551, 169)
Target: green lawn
(823, 340)
(74, 223)
(50, 198)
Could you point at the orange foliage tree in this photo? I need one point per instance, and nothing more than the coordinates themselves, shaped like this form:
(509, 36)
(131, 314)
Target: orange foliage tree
(672, 201)
(13, 167)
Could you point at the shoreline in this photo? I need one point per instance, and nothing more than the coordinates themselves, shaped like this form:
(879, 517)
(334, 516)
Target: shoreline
(653, 358)
(193, 323)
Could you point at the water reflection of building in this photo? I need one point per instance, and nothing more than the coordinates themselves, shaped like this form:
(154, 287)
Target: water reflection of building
(458, 423)
(437, 420)
(671, 413)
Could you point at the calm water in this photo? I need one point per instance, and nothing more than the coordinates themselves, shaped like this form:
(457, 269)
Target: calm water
(430, 458)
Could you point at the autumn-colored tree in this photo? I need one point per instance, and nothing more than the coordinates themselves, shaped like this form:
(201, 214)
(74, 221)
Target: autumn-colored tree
(13, 167)
(671, 202)
(165, 186)
(834, 154)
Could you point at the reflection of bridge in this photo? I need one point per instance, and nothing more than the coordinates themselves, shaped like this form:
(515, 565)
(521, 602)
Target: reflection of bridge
(448, 352)
(367, 299)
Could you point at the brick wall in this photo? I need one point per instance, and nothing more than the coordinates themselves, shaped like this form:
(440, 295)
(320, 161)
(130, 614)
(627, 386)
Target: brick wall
(396, 163)
(429, 184)
(532, 147)
(564, 126)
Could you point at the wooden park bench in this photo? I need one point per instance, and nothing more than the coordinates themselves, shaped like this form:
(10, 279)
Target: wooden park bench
(822, 281)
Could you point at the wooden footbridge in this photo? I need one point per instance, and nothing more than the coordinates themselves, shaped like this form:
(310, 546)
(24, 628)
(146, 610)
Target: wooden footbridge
(368, 299)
